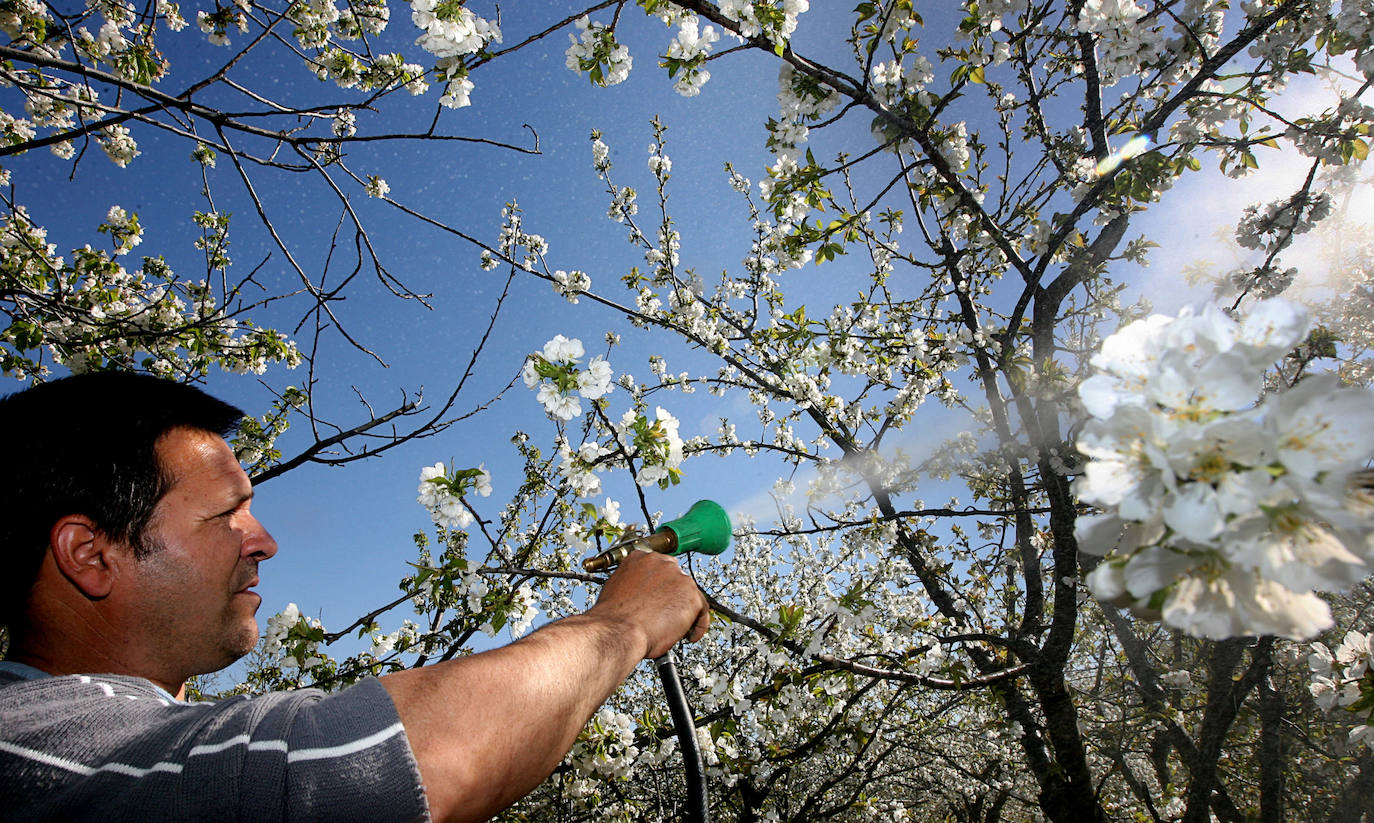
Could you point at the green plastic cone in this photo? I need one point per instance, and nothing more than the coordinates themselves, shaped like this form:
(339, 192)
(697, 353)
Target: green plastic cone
(704, 528)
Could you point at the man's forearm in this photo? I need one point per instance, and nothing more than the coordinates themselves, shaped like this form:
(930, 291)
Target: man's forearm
(488, 728)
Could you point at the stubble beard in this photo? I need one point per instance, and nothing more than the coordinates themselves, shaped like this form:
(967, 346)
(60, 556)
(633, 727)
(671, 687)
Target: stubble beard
(241, 631)
(235, 632)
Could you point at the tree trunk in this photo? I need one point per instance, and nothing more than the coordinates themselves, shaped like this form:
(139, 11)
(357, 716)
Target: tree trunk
(1271, 752)
(1357, 797)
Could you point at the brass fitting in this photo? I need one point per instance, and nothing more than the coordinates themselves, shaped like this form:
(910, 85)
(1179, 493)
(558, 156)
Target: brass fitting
(663, 541)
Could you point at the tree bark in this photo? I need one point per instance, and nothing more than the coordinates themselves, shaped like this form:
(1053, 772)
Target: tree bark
(1357, 797)
(1271, 752)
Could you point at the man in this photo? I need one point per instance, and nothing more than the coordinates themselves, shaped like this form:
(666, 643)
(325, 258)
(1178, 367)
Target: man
(131, 554)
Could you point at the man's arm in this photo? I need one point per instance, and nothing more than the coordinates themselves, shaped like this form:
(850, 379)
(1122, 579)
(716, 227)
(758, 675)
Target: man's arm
(488, 728)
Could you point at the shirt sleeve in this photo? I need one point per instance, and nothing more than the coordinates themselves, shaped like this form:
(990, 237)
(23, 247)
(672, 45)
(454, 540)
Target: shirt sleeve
(86, 747)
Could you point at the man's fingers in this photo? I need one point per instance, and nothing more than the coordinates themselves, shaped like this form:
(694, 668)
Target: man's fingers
(703, 622)
(656, 595)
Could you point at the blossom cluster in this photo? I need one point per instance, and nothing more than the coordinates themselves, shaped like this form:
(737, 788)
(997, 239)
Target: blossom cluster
(1226, 515)
(254, 442)
(479, 601)
(655, 442)
(520, 612)
(605, 748)
(571, 283)
(801, 99)
(686, 57)
(451, 29)
(601, 157)
(603, 521)
(452, 32)
(560, 383)
(770, 18)
(579, 467)
(1271, 226)
(1124, 43)
(293, 640)
(216, 24)
(345, 123)
(214, 238)
(123, 229)
(118, 145)
(24, 20)
(442, 492)
(376, 186)
(382, 71)
(1346, 679)
(56, 104)
(89, 312)
(896, 80)
(596, 51)
(463, 588)
(514, 238)
(319, 21)
(399, 640)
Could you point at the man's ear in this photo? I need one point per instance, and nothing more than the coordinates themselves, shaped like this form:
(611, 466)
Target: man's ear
(83, 554)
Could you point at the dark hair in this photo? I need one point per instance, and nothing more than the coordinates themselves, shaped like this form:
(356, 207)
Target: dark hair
(86, 445)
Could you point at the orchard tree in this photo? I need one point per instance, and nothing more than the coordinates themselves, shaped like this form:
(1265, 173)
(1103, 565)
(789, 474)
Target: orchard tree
(1143, 593)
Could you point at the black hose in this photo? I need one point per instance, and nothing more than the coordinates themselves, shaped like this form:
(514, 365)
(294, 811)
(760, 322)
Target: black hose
(698, 804)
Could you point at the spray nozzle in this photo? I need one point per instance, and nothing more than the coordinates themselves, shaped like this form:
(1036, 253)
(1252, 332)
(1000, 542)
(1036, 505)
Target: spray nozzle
(704, 528)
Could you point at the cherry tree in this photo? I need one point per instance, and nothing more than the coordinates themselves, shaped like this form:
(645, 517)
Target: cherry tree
(1141, 587)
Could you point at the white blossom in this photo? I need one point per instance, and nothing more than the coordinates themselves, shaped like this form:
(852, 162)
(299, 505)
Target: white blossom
(559, 383)
(596, 51)
(376, 186)
(1227, 512)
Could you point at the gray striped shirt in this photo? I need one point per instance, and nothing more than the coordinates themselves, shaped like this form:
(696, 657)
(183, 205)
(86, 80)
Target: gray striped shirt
(114, 748)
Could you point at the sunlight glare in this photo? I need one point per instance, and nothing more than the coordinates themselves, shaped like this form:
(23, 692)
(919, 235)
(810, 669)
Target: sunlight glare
(1133, 148)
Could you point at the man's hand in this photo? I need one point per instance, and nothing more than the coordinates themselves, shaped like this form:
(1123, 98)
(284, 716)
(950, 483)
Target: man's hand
(653, 596)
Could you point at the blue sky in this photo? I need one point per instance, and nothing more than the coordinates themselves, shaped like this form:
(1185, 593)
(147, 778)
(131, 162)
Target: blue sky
(345, 535)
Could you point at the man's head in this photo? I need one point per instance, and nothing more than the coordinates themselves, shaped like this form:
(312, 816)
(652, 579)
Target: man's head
(120, 493)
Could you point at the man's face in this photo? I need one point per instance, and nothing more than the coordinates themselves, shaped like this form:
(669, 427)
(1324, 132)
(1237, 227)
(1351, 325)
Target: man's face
(193, 589)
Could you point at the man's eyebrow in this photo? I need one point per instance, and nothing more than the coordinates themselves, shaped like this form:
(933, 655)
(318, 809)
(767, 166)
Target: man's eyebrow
(238, 500)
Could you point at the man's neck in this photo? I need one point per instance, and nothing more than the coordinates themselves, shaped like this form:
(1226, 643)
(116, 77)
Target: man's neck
(97, 663)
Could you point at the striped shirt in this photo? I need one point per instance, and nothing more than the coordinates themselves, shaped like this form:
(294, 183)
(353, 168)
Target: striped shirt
(113, 748)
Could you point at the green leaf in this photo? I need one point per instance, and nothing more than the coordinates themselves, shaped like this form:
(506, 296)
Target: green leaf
(1321, 342)
(1157, 599)
(1365, 703)
(790, 616)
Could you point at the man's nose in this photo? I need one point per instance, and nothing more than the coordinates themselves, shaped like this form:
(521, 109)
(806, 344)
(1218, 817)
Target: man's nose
(258, 542)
